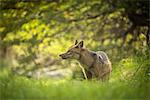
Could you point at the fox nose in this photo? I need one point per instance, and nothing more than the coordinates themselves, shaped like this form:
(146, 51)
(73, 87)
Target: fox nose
(60, 55)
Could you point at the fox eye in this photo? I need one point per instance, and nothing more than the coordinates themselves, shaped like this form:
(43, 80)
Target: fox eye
(69, 52)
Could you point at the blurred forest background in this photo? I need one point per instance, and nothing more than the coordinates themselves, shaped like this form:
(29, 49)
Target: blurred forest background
(34, 32)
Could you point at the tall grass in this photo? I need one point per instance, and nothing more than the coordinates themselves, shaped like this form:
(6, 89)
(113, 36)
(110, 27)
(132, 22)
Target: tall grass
(129, 80)
(21, 88)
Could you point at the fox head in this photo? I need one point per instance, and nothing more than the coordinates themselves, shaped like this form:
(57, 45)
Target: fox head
(74, 51)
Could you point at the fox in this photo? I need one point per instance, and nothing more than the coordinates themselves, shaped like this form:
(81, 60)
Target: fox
(94, 64)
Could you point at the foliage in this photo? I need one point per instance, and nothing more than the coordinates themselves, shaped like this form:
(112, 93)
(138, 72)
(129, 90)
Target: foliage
(34, 32)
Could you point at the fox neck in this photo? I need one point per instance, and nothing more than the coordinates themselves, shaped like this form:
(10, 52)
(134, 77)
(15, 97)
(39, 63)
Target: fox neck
(86, 58)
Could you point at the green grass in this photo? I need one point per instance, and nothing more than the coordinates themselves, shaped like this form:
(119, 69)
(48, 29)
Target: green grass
(127, 82)
(22, 88)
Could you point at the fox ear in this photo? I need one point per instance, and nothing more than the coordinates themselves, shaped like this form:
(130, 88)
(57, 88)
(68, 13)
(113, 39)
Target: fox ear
(76, 42)
(80, 45)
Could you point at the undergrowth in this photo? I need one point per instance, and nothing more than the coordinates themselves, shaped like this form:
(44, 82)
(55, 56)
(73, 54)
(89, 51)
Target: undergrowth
(130, 79)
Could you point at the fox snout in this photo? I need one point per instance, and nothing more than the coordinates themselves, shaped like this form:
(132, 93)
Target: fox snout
(63, 56)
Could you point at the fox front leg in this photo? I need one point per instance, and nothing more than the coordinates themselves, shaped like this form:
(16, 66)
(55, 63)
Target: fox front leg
(83, 71)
